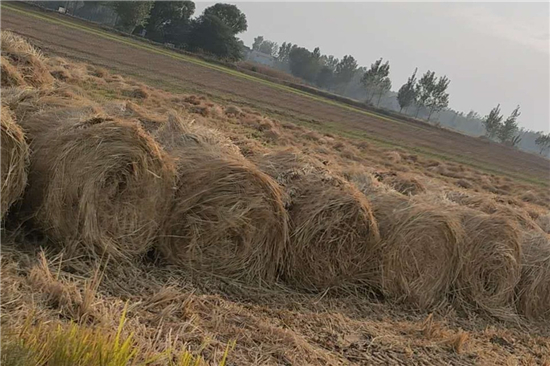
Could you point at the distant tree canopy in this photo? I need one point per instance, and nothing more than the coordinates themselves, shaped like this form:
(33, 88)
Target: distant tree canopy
(345, 69)
(303, 63)
(211, 35)
(169, 21)
(376, 80)
(492, 122)
(509, 128)
(543, 142)
(406, 95)
(130, 13)
(262, 45)
(230, 15)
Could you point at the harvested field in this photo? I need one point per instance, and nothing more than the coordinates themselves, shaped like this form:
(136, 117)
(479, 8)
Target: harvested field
(163, 221)
(175, 71)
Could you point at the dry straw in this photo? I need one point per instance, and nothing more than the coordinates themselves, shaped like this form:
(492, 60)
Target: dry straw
(491, 265)
(420, 254)
(10, 75)
(99, 185)
(26, 59)
(333, 231)
(15, 155)
(227, 217)
(533, 290)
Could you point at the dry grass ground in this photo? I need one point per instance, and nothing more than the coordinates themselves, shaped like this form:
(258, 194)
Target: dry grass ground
(438, 281)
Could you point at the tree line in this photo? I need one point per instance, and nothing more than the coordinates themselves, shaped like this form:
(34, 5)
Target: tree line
(215, 32)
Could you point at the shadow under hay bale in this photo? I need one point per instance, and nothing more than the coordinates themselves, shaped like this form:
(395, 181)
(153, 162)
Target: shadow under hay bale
(98, 186)
(491, 265)
(26, 59)
(420, 252)
(533, 290)
(15, 159)
(227, 217)
(332, 230)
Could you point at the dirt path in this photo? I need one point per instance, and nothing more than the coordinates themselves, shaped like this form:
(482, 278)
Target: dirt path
(126, 57)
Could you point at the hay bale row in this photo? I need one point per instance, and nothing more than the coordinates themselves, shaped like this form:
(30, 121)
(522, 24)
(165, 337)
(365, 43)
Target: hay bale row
(226, 217)
(15, 159)
(332, 230)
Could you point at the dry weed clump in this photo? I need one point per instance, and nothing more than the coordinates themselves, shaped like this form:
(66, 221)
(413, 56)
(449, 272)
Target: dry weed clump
(481, 202)
(227, 217)
(98, 185)
(491, 265)
(332, 230)
(26, 59)
(420, 254)
(403, 183)
(533, 290)
(15, 160)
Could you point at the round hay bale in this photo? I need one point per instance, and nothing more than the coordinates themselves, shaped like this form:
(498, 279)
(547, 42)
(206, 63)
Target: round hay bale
(10, 75)
(99, 185)
(483, 203)
(332, 230)
(533, 290)
(420, 252)
(227, 217)
(27, 60)
(491, 265)
(15, 159)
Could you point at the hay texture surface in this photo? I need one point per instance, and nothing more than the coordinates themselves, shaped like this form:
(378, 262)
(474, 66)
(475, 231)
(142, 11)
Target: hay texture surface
(420, 254)
(491, 267)
(15, 159)
(227, 217)
(27, 61)
(333, 231)
(533, 290)
(99, 185)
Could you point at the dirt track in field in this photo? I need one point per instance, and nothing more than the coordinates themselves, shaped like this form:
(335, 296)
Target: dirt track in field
(57, 38)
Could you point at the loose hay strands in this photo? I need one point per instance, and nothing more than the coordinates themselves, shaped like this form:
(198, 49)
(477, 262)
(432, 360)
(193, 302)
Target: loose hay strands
(100, 185)
(492, 263)
(10, 75)
(227, 217)
(27, 60)
(333, 231)
(15, 159)
(420, 252)
(533, 290)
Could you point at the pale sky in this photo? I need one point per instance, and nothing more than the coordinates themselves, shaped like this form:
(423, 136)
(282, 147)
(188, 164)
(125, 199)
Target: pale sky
(492, 52)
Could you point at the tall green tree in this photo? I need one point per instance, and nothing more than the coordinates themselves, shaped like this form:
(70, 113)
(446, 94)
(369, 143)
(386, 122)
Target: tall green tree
(283, 55)
(509, 128)
(439, 98)
(345, 69)
(304, 64)
(166, 20)
(230, 15)
(263, 45)
(211, 35)
(492, 122)
(543, 142)
(424, 89)
(406, 95)
(325, 77)
(130, 13)
(376, 79)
